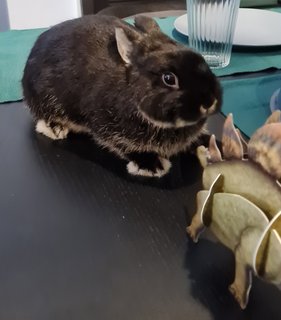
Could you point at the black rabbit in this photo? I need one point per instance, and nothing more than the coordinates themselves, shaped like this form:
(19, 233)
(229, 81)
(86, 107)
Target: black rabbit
(137, 92)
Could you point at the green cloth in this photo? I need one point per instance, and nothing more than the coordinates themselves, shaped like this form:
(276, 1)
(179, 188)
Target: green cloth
(249, 100)
(15, 46)
(242, 59)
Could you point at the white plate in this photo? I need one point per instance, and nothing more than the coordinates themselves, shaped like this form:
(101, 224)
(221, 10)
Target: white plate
(255, 27)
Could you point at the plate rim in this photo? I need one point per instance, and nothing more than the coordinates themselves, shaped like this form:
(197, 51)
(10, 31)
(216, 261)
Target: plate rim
(238, 44)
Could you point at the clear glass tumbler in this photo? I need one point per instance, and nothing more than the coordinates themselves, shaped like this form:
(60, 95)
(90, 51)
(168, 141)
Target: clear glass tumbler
(211, 27)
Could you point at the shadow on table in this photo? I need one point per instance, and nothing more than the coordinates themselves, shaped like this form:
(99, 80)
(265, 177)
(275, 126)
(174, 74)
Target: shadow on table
(185, 167)
(211, 270)
(253, 49)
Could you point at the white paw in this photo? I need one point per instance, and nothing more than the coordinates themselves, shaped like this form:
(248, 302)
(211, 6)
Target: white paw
(56, 133)
(166, 164)
(135, 170)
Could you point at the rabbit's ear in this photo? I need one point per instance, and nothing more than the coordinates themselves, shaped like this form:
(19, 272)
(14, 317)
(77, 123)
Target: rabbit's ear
(146, 24)
(124, 45)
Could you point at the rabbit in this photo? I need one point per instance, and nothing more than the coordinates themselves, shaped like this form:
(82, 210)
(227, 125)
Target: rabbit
(134, 90)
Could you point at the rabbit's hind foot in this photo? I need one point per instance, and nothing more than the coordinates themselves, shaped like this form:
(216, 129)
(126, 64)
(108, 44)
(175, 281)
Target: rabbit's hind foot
(52, 130)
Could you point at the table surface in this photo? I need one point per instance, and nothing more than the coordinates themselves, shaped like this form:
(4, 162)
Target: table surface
(81, 240)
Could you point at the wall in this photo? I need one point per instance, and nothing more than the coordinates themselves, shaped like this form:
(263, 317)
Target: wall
(28, 14)
(4, 21)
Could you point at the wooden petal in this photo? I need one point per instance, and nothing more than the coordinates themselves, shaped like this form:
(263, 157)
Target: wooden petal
(247, 179)
(264, 148)
(243, 142)
(231, 143)
(214, 152)
(269, 244)
(203, 155)
(274, 117)
(273, 262)
(232, 214)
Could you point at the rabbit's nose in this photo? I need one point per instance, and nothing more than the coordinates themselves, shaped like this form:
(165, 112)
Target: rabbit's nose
(208, 108)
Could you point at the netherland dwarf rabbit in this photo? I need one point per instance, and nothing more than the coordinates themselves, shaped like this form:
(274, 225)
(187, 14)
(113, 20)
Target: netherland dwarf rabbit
(137, 92)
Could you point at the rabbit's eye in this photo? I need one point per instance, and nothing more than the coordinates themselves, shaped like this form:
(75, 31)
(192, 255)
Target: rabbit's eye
(170, 79)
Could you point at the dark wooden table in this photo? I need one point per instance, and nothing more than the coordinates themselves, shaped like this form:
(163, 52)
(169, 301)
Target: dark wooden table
(81, 240)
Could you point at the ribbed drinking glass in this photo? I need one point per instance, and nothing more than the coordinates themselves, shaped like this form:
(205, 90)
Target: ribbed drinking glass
(211, 27)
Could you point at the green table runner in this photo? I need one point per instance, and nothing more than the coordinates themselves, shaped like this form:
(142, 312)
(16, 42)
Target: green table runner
(16, 44)
(249, 111)
(249, 100)
(242, 59)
